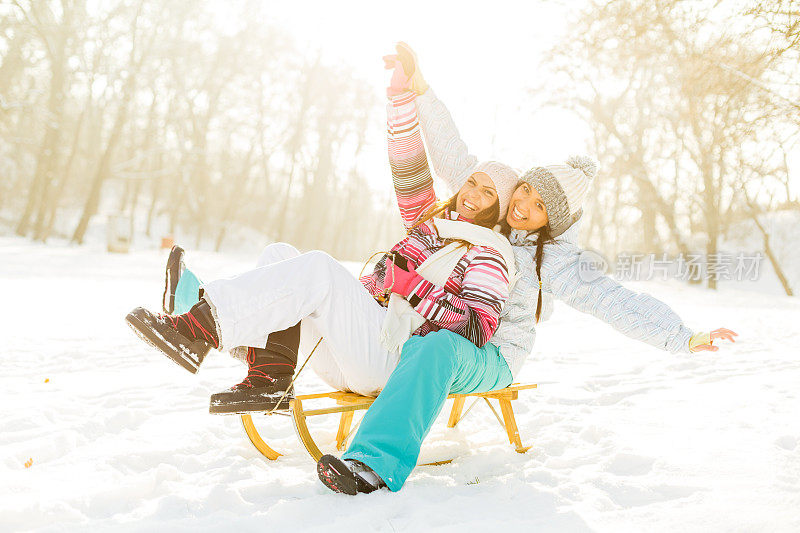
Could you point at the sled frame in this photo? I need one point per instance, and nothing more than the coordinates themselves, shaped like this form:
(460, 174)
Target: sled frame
(347, 403)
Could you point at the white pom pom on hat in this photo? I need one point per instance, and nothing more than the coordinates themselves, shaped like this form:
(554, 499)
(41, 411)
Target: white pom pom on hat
(584, 163)
(575, 177)
(563, 189)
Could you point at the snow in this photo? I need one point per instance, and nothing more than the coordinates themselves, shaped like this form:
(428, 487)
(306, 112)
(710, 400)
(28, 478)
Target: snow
(625, 437)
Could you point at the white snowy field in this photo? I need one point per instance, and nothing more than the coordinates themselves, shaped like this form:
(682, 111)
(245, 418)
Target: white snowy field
(625, 437)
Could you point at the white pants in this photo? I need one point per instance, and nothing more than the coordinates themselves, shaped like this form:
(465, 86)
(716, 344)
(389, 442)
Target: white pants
(312, 288)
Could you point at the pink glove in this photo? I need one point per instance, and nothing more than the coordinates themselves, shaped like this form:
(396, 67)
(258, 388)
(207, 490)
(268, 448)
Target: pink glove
(400, 281)
(400, 81)
(406, 75)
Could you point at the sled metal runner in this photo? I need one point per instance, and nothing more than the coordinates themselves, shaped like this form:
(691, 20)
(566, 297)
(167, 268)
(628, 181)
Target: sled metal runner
(347, 403)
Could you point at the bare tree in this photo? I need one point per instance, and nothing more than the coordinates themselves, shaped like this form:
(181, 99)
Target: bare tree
(136, 58)
(156, 111)
(673, 99)
(54, 34)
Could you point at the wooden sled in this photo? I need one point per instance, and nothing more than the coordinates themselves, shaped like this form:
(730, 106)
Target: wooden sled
(347, 403)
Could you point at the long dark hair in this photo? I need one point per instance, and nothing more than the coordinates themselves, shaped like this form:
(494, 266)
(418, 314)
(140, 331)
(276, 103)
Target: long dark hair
(486, 218)
(542, 237)
(505, 228)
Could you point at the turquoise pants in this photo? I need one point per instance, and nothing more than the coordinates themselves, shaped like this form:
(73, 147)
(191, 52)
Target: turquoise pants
(431, 367)
(186, 292)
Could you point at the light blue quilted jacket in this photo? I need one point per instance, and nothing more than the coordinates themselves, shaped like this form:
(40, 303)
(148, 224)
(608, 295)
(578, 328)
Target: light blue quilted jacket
(638, 316)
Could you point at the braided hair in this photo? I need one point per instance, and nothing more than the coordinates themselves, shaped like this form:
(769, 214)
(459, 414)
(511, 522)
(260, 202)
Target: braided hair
(542, 237)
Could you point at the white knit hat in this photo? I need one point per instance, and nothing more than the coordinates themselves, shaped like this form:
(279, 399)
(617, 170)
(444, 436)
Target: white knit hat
(563, 189)
(505, 181)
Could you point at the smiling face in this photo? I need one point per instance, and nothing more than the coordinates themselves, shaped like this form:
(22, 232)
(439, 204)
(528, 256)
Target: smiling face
(526, 210)
(477, 195)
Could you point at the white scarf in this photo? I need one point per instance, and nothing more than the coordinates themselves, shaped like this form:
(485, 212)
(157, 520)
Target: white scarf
(401, 319)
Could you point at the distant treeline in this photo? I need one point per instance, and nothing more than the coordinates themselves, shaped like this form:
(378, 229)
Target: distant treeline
(157, 111)
(695, 109)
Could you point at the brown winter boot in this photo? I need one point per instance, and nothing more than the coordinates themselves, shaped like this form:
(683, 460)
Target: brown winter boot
(270, 371)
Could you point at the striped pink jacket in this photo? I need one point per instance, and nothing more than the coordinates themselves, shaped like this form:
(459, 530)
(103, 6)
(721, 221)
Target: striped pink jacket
(470, 302)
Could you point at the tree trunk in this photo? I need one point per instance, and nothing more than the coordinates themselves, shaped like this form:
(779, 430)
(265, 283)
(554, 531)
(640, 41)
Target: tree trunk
(157, 181)
(103, 167)
(773, 259)
(55, 198)
(13, 62)
(45, 162)
(295, 144)
(234, 196)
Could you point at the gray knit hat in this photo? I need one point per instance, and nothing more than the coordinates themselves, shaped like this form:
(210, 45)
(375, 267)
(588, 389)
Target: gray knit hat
(563, 189)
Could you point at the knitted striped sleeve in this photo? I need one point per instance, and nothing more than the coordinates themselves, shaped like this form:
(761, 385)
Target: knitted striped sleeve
(373, 281)
(474, 313)
(410, 172)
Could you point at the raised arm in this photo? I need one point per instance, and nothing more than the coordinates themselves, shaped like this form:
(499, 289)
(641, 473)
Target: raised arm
(635, 315)
(449, 155)
(411, 174)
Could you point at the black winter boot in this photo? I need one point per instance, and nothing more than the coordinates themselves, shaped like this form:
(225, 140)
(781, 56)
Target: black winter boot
(186, 339)
(268, 378)
(348, 476)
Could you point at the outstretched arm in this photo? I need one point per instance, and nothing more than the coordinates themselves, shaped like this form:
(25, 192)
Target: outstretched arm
(636, 315)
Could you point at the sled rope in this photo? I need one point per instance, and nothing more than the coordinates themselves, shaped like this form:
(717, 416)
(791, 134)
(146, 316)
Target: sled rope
(368, 260)
(296, 375)
(386, 291)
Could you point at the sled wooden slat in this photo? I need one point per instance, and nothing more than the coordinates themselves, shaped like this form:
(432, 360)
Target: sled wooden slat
(320, 395)
(347, 403)
(339, 409)
(344, 429)
(455, 413)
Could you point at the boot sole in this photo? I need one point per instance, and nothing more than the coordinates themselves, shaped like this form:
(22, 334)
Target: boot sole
(141, 329)
(335, 475)
(244, 407)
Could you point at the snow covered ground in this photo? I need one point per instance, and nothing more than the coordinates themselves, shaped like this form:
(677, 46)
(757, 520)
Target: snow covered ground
(626, 438)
